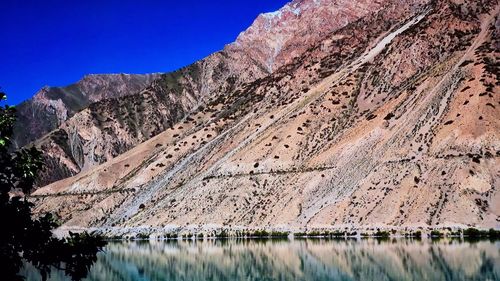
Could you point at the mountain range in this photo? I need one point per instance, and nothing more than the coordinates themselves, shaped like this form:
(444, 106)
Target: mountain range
(326, 114)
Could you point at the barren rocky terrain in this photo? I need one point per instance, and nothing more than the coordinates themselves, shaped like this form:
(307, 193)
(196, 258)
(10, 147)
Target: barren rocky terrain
(89, 127)
(390, 119)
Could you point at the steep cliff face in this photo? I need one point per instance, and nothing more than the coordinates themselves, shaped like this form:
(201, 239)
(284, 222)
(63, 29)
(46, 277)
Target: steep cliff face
(51, 106)
(390, 121)
(95, 134)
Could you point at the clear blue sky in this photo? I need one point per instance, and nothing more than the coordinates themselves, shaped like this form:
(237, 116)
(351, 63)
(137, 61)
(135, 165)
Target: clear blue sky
(55, 43)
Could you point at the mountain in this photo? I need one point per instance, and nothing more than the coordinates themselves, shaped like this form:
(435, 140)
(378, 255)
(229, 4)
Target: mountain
(90, 123)
(389, 120)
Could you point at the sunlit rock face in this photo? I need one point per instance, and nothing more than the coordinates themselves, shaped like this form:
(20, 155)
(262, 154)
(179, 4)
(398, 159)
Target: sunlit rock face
(303, 260)
(388, 121)
(275, 38)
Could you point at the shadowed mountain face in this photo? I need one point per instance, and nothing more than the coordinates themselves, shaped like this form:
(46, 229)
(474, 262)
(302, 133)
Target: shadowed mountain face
(304, 260)
(388, 120)
(51, 106)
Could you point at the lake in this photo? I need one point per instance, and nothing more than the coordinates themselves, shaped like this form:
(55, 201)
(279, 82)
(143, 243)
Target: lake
(299, 259)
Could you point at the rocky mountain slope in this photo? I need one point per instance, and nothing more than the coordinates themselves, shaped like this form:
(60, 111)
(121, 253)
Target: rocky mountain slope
(109, 127)
(95, 134)
(390, 121)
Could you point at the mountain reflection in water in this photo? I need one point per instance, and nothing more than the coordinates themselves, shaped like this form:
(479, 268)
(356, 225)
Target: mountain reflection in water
(311, 260)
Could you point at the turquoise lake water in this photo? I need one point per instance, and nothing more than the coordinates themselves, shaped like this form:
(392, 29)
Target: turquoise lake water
(308, 260)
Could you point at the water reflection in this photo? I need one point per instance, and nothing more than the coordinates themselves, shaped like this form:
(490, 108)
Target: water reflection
(295, 260)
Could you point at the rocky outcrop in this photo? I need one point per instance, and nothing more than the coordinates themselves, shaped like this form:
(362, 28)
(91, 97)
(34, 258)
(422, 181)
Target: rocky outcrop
(389, 121)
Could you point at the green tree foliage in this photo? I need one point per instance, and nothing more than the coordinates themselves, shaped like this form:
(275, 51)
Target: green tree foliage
(29, 239)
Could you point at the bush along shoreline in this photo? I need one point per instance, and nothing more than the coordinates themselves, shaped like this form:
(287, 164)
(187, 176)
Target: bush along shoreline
(226, 233)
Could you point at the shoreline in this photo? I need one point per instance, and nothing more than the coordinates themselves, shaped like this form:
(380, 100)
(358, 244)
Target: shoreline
(293, 238)
(196, 232)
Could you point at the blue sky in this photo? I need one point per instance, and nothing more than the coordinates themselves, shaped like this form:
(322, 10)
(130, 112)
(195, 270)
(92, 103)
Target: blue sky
(55, 43)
